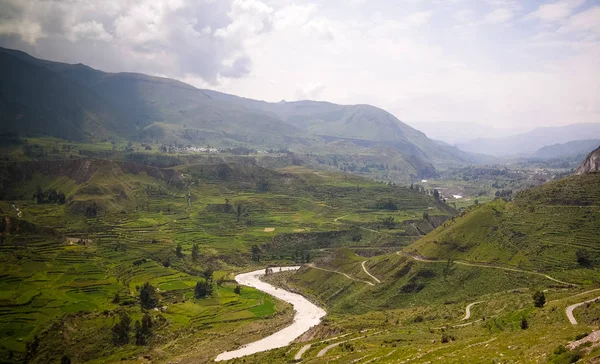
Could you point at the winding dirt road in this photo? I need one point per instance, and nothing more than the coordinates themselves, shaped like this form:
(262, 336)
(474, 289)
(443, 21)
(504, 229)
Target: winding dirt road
(312, 265)
(569, 310)
(369, 274)
(306, 316)
(421, 259)
(468, 310)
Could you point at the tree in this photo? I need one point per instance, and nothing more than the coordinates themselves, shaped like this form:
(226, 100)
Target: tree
(524, 323)
(147, 324)
(539, 299)
(120, 330)
(237, 290)
(256, 253)
(195, 253)
(116, 298)
(65, 360)
(148, 296)
(208, 275)
(426, 216)
(583, 257)
(140, 338)
(239, 212)
(179, 251)
(203, 289)
(61, 198)
(436, 194)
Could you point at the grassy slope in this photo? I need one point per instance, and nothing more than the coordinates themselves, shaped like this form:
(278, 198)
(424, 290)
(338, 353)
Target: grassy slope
(419, 302)
(141, 204)
(543, 229)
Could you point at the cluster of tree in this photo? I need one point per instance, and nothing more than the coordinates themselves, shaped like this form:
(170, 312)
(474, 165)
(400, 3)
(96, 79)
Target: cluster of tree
(121, 330)
(239, 151)
(387, 222)
(386, 205)
(143, 330)
(204, 288)
(156, 160)
(139, 262)
(301, 257)
(504, 193)
(417, 188)
(48, 196)
(34, 151)
(262, 185)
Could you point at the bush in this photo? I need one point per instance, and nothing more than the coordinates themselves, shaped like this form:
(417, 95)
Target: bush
(539, 299)
(524, 323)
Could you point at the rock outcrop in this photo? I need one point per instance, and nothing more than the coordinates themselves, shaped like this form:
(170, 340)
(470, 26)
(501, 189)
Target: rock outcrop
(590, 164)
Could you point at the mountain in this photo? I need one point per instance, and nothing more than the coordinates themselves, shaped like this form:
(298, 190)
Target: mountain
(460, 132)
(361, 125)
(87, 104)
(570, 149)
(37, 101)
(590, 164)
(530, 142)
(151, 108)
(551, 228)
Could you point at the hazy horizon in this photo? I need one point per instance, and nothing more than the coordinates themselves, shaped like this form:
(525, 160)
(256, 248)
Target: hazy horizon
(499, 63)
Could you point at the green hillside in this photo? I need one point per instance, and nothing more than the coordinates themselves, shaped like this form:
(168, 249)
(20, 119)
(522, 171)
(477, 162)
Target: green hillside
(122, 224)
(551, 228)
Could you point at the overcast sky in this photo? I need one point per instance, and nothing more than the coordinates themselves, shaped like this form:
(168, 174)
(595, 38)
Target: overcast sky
(506, 63)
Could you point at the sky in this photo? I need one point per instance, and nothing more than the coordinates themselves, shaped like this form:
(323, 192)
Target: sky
(503, 64)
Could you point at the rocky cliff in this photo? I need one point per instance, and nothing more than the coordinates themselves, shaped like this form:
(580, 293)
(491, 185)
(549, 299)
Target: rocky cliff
(590, 164)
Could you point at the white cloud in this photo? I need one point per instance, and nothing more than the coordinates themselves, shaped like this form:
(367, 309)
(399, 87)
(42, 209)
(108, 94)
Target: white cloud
(408, 56)
(586, 23)
(556, 11)
(499, 16)
(310, 91)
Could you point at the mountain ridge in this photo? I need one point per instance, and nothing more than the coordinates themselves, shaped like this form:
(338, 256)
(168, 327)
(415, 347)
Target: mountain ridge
(162, 110)
(530, 142)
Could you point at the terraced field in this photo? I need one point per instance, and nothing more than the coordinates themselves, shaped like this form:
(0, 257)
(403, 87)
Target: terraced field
(61, 269)
(551, 228)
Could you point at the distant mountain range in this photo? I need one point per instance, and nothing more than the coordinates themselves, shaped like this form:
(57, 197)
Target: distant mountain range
(76, 102)
(528, 143)
(570, 149)
(460, 132)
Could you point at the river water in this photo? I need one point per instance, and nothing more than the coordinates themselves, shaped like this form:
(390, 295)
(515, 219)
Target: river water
(307, 315)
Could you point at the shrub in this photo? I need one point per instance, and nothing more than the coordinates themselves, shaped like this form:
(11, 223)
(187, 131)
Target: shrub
(539, 299)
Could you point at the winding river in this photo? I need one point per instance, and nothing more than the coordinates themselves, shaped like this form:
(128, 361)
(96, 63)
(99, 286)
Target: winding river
(307, 315)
